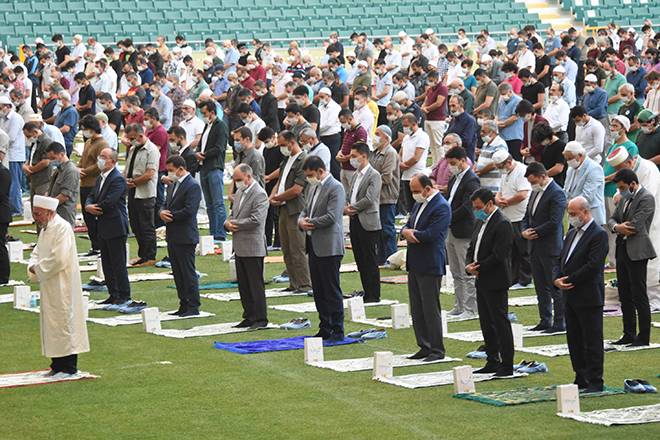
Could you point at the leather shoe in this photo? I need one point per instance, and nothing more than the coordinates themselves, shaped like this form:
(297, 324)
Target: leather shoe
(371, 300)
(243, 324)
(258, 325)
(504, 372)
(421, 354)
(109, 300)
(593, 389)
(540, 327)
(488, 368)
(322, 334)
(189, 313)
(554, 329)
(624, 340)
(335, 337)
(433, 357)
(638, 343)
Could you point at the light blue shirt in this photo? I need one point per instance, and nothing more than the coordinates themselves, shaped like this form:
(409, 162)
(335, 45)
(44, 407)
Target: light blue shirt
(571, 69)
(54, 133)
(504, 111)
(165, 108)
(569, 92)
(231, 57)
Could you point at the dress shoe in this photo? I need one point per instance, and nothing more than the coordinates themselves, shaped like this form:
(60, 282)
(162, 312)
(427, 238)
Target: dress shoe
(454, 312)
(504, 372)
(540, 327)
(258, 325)
(370, 300)
(243, 324)
(488, 369)
(593, 389)
(421, 354)
(638, 343)
(624, 340)
(108, 301)
(189, 313)
(176, 313)
(554, 329)
(322, 334)
(335, 337)
(433, 357)
(92, 252)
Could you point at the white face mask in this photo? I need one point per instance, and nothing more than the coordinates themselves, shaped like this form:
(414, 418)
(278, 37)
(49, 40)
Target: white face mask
(355, 162)
(100, 162)
(377, 140)
(312, 180)
(346, 126)
(536, 187)
(88, 133)
(419, 198)
(407, 130)
(574, 221)
(285, 151)
(454, 170)
(172, 176)
(240, 185)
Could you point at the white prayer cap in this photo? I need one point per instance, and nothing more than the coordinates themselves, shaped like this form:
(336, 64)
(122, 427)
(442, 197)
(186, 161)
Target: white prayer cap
(34, 117)
(574, 147)
(100, 116)
(402, 34)
(386, 130)
(428, 31)
(463, 41)
(591, 78)
(4, 99)
(206, 93)
(631, 30)
(38, 40)
(77, 37)
(618, 156)
(500, 156)
(44, 202)
(399, 96)
(325, 91)
(486, 58)
(623, 121)
(559, 69)
(362, 63)
(189, 103)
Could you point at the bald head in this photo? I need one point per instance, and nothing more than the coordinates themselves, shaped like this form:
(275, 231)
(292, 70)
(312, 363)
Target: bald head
(579, 213)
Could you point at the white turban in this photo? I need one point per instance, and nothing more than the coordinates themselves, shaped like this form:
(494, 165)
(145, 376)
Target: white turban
(44, 202)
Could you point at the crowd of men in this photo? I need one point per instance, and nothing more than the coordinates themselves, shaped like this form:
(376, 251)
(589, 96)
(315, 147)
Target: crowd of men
(481, 148)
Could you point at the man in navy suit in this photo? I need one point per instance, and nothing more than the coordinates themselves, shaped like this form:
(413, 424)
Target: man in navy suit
(581, 279)
(426, 232)
(489, 260)
(180, 216)
(107, 202)
(542, 228)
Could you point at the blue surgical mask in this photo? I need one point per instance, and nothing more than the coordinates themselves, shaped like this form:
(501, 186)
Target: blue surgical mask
(626, 194)
(480, 215)
(55, 163)
(239, 147)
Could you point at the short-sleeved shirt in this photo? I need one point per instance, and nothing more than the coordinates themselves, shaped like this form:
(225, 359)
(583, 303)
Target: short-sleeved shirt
(612, 88)
(339, 92)
(649, 144)
(383, 81)
(69, 117)
(146, 157)
(531, 92)
(193, 127)
(114, 117)
(358, 134)
(492, 179)
(432, 94)
(160, 139)
(505, 110)
(410, 144)
(484, 91)
(86, 95)
(312, 115)
(551, 156)
(61, 53)
(540, 65)
(511, 184)
(630, 111)
(66, 181)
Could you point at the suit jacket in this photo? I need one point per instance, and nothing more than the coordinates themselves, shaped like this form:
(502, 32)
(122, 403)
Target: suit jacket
(429, 257)
(547, 220)
(584, 267)
(5, 183)
(216, 146)
(249, 213)
(367, 199)
(192, 164)
(327, 239)
(183, 205)
(462, 217)
(588, 181)
(269, 114)
(494, 255)
(111, 198)
(640, 213)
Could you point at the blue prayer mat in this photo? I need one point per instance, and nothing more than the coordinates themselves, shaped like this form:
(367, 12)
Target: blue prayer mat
(284, 344)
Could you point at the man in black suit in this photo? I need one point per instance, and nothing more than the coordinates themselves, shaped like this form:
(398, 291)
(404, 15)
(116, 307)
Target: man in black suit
(180, 216)
(180, 146)
(5, 219)
(489, 260)
(268, 104)
(580, 277)
(107, 202)
(462, 184)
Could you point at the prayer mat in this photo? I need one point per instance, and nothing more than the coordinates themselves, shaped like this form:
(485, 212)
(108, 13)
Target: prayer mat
(656, 324)
(347, 268)
(21, 223)
(12, 283)
(632, 415)
(225, 328)
(529, 286)
(521, 396)
(114, 321)
(6, 298)
(274, 259)
(150, 276)
(284, 344)
(28, 309)
(562, 349)
(364, 364)
(458, 318)
(437, 378)
(477, 336)
(39, 378)
(235, 296)
(522, 301)
(28, 231)
(213, 286)
(396, 279)
(310, 307)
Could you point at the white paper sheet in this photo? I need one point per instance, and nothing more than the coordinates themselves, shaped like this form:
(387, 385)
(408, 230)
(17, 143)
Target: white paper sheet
(632, 415)
(477, 336)
(39, 378)
(114, 321)
(364, 364)
(235, 296)
(562, 349)
(224, 328)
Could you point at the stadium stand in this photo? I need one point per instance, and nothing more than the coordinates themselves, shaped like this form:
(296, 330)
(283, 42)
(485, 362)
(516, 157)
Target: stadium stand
(602, 12)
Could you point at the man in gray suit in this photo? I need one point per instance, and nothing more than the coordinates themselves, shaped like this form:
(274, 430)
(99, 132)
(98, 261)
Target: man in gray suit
(247, 223)
(631, 222)
(321, 219)
(362, 207)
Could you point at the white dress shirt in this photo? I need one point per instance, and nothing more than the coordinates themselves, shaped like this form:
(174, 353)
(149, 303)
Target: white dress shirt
(423, 206)
(359, 176)
(329, 123)
(557, 114)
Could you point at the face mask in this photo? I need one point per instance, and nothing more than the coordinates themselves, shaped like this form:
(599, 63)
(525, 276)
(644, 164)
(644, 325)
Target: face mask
(505, 98)
(573, 163)
(647, 130)
(508, 75)
(135, 143)
(245, 121)
(207, 121)
(485, 139)
(172, 176)
(454, 114)
(239, 147)
(454, 170)
(536, 187)
(407, 130)
(359, 105)
(346, 126)
(574, 221)
(270, 144)
(391, 117)
(300, 102)
(615, 134)
(419, 198)
(480, 215)
(553, 99)
(589, 89)
(290, 121)
(453, 92)
(174, 147)
(312, 180)
(580, 124)
(285, 151)
(377, 140)
(355, 163)
(55, 163)
(240, 185)
(626, 194)
(100, 162)
(306, 147)
(148, 124)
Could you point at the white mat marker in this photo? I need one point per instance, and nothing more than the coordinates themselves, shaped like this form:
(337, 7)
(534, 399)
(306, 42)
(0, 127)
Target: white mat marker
(224, 328)
(206, 245)
(313, 350)
(562, 349)
(22, 297)
(114, 321)
(463, 379)
(568, 399)
(367, 363)
(15, 249)
(235, 296)
(438, 378)
(310, 307)
(633, 415)
(39, 378)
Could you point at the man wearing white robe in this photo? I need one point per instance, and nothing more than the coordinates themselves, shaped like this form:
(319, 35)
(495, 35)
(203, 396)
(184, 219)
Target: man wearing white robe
(54, 263)
(649, 177)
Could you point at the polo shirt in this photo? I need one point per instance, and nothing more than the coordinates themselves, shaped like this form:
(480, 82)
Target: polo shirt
(146, 157)
(512, 183)
(432, 94)
(410, 144)
(506, 109)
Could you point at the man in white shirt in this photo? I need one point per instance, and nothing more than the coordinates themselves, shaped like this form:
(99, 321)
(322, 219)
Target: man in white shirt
(512, 199)
(106, 132)
(406, 49)
(250, 119)
(557, 110)
(99, 50)
(78, 53)
(330, 127)
(393, 58)
(191, 123)
(526, 58)
(12, 124)
(414, 151)
(568, 86)
(589, 132)
(363, 114)
(103, 81)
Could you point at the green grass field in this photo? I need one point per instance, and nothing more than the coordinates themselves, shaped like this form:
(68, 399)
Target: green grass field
(211, 394)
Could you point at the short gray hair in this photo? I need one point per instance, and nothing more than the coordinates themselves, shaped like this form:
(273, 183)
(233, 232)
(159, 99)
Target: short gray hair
(505, 87)
(308, 132)
(454, 138)
(490, 126)
(627, 86)
(245, 169)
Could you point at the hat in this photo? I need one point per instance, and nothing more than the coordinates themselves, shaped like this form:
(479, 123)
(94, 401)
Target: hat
(631, 30)
(362, 63)
(4, 99)
(591, 78)
(559, 69)
(385, 129)
(325, 91)
(623, 121)
(38, 40)
(34, 117)
(429, 31)
(646, 115)
(44, 202)
(618, 156)
(402, 34)
(463, 41)
(500, 156)
(100, 116)
(189, 103)
(574, 147)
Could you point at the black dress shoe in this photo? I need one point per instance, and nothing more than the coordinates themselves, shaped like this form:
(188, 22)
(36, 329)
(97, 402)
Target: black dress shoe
(488, 368)
(258, 325)
(504, 372)
(371, 300)
(624, 340)
(638, 343)
(322, 334)
(593, 389)
(421, 354)
(433, 357)
(540, 327)
(92, 252)
(177, 313)
(189, 313)
(554, 329)
(335, 337)
(106, 301)
(243, 324)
